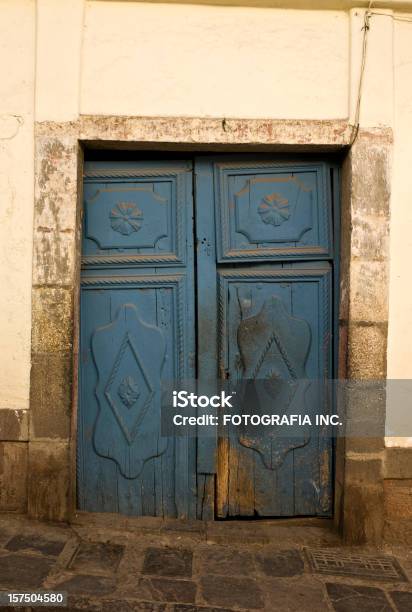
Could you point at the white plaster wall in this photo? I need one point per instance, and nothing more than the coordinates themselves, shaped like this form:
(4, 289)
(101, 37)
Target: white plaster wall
(162, 59)
(400, 323)
(58, 59)
(400, 294)
(17, 39)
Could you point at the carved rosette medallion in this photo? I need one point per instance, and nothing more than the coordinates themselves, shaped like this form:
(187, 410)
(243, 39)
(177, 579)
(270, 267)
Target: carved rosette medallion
(274, 210)
(126, 218)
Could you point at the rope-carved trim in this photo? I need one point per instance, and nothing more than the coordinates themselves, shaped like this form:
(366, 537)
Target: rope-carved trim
(108, 173)
(133, 280)
(131, 259)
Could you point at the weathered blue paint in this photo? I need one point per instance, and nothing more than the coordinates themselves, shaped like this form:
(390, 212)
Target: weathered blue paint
(275, 326)
(274, 322)
(271, 211)
(207, 356)
(266, 269)
(137, 328)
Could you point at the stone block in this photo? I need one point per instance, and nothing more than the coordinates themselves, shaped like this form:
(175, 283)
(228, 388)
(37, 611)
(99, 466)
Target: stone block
(52, 320)
(303, 595)
(232, 592)
(363, 471)
(49, 481)
(51, 395)
(84, 584)
(370, 188)
(167, 590)
(23, 571)
(369, 292)
(398, 499)
(367, 351)
(363, 514)
(402, 600)
(13, 476)
(362, 406)
(56, 214)
(353, 597)
(370, 239)
(37, 543)
(281, 564)
(56, 182)
(398, 532)
(222, 561)
(175, 562)
(361, 444)
(398, 463)
(54, 256)
(14, 425)
(97, 557)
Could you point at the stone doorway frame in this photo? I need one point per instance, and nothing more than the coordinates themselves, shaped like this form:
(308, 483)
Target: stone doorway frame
(363, 310)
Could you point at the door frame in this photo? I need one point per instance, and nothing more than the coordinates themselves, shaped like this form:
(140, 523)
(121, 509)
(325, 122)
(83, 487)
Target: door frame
(365, 195)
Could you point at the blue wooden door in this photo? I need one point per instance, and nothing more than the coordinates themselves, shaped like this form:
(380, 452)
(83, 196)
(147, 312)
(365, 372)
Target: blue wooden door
(263, 309)
(137, 328)
(265, 289)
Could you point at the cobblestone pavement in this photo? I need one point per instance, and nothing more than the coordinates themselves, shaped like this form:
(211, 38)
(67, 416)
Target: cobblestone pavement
(120, 564)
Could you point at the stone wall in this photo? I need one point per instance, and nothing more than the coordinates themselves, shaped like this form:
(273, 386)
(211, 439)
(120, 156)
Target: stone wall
(398, 496)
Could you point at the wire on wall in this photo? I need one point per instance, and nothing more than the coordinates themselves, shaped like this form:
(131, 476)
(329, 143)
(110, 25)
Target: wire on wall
(366, 26)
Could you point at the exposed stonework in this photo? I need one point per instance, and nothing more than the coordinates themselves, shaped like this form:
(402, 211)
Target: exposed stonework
(53, 313)
(363, 518)
(398, 511)
(369, 282)
(189, 132)
(363, 300)
(51, 395)
(398, 499)
(14, 425)
(367, 351)
(49, 480)
(13, 476)
(398, 495)
(398, 463)
(362, 470)
(55, 216)
(364, 321)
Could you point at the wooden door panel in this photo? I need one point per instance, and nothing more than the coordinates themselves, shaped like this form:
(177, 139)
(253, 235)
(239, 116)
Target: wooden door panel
(274, 326)
(269, 211)
(135, 214)
(137, 312)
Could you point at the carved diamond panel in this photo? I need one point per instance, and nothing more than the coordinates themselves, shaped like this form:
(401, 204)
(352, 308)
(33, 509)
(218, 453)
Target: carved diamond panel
(129, 356)
(129, 387)
(269, 330)
(273, 347)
